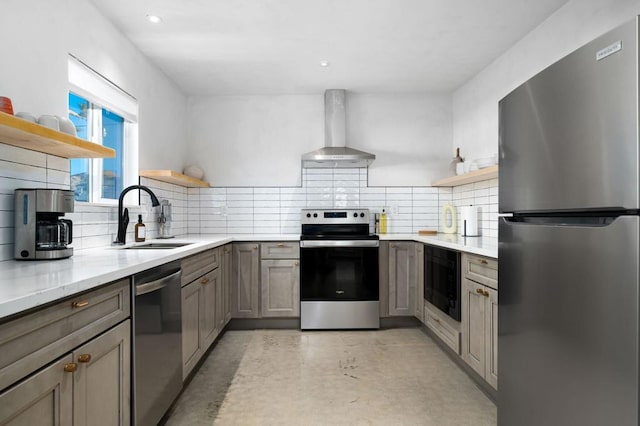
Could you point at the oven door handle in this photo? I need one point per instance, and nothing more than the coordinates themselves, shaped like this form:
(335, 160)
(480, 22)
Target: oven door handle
(339, 243)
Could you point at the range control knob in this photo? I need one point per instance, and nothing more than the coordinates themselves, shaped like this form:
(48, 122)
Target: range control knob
(308, 214)
(315, 215)
(355, 215)
(361, 214)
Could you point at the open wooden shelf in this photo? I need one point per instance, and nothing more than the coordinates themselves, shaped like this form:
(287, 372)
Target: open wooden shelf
(175, 178)
(475, 176)
(25, 134)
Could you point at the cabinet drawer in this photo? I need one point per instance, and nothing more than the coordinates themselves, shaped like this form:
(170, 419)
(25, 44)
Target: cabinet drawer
(29, 342)
(193, 267)
(280, 250)
(439, 325)
(482, 270)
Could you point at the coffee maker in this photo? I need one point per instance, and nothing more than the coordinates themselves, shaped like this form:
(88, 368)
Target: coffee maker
(39, 232)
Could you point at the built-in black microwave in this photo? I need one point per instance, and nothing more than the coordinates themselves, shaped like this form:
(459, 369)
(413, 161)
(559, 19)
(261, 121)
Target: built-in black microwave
(442, 280)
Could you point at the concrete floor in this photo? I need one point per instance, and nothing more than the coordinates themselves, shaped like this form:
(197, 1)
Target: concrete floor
(291, 377)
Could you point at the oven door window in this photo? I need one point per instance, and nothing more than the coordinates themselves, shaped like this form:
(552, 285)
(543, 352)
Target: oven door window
(339, 273)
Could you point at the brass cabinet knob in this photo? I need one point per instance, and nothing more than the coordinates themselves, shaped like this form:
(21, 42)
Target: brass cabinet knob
(204, 281)
(70, 367)
(80, 304)
(486, 293)
(255, 247)
(84, 358)
(297, 263)
(479, 291)
(484, 262)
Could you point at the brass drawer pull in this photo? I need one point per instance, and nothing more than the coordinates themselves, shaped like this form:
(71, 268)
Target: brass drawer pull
(436, 319)
(84, 358)
(204, 281)
(480, 291)
(81, 304)
(483, 262)
(281, 245)
(70, 367)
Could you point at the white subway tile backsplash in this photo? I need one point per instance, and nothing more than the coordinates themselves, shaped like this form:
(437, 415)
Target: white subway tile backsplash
(239, 210)
(23, 156)
(58, 163)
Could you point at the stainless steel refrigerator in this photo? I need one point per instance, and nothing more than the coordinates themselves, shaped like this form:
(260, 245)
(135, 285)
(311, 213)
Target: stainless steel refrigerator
(568, 232)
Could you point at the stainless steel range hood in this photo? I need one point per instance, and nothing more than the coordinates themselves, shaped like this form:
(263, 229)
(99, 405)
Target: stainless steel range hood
(335, 152)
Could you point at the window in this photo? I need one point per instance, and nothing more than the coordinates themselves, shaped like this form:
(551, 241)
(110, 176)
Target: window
(102, 113)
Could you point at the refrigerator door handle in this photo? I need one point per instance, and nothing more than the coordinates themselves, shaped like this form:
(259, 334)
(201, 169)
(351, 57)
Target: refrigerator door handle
(584, 221)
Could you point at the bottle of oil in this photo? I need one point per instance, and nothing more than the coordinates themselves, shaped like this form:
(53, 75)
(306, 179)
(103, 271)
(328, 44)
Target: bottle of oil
(140, 230)
(383, 222)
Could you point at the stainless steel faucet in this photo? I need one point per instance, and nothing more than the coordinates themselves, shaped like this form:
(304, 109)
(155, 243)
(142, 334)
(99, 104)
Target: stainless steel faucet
(123, 216)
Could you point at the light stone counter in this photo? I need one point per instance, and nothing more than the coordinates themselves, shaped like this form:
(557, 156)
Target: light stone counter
(483, 246)
(28, 284)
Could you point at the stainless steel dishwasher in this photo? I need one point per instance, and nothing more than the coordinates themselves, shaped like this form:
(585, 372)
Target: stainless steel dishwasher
(157, 345)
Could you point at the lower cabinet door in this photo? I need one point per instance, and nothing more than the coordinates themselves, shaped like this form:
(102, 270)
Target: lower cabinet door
(102, 384)
(45, 398)
(491, 350)
(208, 300)
(191, 349)
(419, 303)
(227, 271)
(474, 322)
(280, 288)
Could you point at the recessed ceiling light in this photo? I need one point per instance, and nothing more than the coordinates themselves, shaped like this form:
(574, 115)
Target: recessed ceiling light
(154, 19)
(324, 64)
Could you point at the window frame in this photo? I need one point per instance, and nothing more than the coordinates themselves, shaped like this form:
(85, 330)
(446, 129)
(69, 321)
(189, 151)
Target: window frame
(101, 93)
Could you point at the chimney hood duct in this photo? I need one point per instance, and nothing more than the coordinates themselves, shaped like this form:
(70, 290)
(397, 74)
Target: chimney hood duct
(335, 153)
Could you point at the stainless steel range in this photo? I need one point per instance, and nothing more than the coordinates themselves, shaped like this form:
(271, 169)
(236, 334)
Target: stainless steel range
(339, 286)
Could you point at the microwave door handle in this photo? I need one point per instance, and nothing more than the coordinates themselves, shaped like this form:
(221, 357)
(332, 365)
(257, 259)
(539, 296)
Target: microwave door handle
(70, 225)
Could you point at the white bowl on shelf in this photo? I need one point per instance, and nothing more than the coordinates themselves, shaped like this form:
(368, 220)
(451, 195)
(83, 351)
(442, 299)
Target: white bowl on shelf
(193, 171)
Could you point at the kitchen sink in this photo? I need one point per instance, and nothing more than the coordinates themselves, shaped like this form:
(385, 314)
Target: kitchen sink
(157, 246)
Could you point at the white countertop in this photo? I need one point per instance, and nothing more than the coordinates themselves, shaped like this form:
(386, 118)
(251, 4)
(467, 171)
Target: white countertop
(28, 284)
(482, 246)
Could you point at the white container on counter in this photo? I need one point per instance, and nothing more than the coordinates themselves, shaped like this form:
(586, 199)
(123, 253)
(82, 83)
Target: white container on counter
(469, 221)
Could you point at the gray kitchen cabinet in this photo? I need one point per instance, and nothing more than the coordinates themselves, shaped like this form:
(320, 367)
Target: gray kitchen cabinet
(227, 275)
(280, 282)
(280, 279)
(480, 317)
(403, 275)
(201, 306)
(419, 304)
(209, 309)
(191, 343)
(45, 398)
(102, 381)
(442, 325)
(200, 325)
(91, 385)
(246, 281)
(30, 342)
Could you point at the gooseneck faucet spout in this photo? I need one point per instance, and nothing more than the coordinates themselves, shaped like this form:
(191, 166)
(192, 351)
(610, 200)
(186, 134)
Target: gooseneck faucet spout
(123, 216)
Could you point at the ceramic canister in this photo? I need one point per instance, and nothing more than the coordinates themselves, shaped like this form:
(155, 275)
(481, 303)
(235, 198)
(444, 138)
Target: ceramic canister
(448, 219)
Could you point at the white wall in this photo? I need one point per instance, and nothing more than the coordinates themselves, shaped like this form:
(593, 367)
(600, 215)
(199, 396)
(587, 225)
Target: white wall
(37, 37)
(258, 140)
(475, 104)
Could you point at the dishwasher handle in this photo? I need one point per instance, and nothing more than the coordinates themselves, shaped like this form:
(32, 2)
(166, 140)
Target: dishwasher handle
(157, 284)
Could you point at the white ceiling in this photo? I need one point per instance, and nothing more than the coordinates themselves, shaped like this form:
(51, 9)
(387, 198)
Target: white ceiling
(230, 47)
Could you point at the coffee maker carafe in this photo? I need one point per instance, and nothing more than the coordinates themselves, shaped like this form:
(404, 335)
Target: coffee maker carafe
(39, 231)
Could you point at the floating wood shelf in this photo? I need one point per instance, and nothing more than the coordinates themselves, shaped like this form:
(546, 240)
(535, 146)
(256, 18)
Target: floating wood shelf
(25, 134)
(475, 176)
(175, 178)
